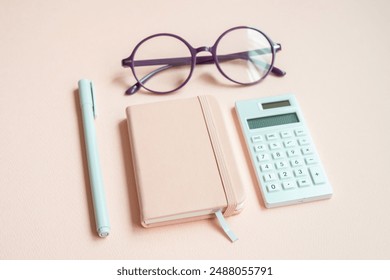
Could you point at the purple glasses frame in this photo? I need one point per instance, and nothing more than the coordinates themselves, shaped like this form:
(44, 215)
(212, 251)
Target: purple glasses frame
(194, 60)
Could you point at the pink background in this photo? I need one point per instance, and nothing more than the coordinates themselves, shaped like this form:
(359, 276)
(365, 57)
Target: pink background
(336, 54)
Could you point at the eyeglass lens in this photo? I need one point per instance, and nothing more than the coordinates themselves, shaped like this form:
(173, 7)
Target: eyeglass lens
(164, 62)
(171, 65)
(244, 55)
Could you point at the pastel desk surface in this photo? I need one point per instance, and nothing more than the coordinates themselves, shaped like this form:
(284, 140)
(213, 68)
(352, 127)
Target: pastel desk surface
(336, 55)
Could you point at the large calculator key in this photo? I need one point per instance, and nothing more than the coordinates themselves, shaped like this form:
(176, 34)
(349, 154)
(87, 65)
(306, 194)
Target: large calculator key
(317, 175)
(269, 177)
(288, 185)
(273, 187)
(303, 182)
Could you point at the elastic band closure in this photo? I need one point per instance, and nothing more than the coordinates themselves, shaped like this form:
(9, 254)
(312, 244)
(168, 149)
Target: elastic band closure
(219, 156)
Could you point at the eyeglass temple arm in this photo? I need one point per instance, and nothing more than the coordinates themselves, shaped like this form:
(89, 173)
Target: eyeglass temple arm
(134, 88)
(172, 62)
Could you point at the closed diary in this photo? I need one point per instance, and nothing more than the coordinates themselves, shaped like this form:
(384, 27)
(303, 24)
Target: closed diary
(183, 162)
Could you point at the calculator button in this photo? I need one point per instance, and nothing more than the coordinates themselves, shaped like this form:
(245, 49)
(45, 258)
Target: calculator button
(281, 164)
(300, 132)
(262, 157)
(299, 172)
(310, 160)
(296, 162)
(269, 177)
(285, 174)
(278, 155)
(286, 134)
(260, 147)
(307, 151)
(272, 136)
(303, 141)
(303, 182)
(266, 167)
(288, 185)
(293, 152)
(289, 143)
(317, 175)
(274, 146)
(257, 138)
(273, 187)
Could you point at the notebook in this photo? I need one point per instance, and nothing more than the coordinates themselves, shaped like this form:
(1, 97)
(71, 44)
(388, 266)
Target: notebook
(183, 162)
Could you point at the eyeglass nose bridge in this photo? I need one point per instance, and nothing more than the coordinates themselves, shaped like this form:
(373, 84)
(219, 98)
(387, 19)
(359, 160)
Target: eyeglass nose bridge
(208, 59)
(204, 49)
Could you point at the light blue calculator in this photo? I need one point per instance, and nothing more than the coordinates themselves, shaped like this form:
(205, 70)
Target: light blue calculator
(286, 162)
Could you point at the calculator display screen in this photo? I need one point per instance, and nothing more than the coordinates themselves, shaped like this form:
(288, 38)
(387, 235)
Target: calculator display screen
(273, 120)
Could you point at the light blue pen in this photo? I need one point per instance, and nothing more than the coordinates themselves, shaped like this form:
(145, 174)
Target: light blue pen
(88, 109)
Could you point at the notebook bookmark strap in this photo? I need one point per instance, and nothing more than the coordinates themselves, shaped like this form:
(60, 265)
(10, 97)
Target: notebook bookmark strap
(222, 222)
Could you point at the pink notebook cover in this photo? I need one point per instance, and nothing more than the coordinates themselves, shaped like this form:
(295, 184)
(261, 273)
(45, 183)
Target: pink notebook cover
(182, 159)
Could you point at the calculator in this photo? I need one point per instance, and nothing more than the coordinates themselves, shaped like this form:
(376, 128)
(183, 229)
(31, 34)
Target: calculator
(286, 162)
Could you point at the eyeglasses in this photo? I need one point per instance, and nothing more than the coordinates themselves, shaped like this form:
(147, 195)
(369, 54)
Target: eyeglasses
(163, 63)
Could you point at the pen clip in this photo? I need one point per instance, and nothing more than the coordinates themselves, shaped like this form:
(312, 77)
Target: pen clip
(94, 110)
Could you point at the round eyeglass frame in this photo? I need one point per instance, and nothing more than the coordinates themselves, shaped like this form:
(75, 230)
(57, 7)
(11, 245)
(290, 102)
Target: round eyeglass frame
(193, 52)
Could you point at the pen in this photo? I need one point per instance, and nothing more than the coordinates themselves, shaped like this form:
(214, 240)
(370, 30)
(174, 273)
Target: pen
(88, 109)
